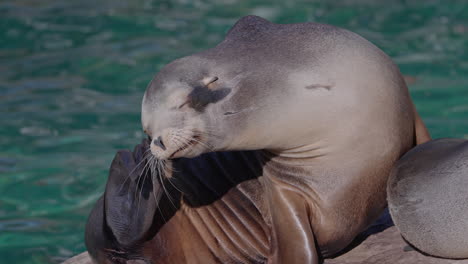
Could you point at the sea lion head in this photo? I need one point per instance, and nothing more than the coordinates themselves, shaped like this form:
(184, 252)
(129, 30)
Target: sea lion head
(202, 107)
(234, 96)
(184, 94)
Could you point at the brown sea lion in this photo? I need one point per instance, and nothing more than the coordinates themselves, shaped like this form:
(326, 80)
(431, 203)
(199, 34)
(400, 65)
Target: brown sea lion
(139, 220)
(428, 197)
(328, 113)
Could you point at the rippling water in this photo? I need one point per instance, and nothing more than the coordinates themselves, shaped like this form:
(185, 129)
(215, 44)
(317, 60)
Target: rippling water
(72, 74)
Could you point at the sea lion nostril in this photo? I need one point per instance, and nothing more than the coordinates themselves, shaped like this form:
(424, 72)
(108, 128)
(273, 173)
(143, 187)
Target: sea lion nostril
(158, 142)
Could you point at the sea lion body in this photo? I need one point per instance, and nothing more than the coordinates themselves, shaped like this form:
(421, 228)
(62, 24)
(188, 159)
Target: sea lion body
(428, 197)
(329, 110)
(326, 112)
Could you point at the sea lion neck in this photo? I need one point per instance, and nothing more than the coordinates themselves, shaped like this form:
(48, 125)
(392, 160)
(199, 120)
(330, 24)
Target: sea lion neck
(301, 155)
(293, 166)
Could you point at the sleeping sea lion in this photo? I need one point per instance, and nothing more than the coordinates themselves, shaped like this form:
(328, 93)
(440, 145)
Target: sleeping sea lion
(326, 112)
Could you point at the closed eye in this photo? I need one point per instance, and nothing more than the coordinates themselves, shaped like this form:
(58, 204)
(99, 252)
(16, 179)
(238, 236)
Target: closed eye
(214, 79)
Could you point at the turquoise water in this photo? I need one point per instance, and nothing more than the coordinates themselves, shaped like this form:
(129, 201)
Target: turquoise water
(72, 74)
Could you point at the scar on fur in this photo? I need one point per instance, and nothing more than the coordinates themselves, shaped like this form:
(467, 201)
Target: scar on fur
(316, 86)
(243, 110)
(231, 113)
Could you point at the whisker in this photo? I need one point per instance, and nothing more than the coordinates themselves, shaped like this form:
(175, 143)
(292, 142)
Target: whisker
(162, 183)
(157, 172)
(164, 168)
(176, 142)
(139, 177)
(173, 185)
(169, 179)
(177, 138)
(156, 196)
(187, 140)
(196, 140)
(141, 191)
(133, 170)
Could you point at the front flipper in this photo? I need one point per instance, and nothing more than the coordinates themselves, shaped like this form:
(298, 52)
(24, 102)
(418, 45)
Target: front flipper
(292, 236)
(129, 200)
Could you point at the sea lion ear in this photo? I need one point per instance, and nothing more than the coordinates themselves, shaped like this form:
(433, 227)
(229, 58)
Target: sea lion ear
(129, 209)
(248, 27)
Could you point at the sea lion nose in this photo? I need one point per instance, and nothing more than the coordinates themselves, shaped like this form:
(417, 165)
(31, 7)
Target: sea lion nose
(158, 142)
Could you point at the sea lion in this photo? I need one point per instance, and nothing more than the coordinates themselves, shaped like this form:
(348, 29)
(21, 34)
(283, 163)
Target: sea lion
(328, 113)
(428, 197)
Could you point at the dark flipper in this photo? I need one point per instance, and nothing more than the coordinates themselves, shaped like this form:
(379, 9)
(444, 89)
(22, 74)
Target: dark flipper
(129, 199)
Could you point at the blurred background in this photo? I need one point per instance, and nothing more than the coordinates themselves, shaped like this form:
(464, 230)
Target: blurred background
(73, 72)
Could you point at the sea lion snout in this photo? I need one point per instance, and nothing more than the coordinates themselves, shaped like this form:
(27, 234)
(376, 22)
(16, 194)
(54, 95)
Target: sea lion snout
(175, 142)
